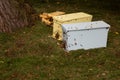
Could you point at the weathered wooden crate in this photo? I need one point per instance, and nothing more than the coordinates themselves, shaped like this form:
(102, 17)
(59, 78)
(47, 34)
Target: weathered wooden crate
(47, 18)
(68, 18)
(86, 35)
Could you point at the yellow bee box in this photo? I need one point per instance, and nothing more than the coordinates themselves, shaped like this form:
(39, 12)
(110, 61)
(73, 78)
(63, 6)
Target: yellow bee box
(68, 18)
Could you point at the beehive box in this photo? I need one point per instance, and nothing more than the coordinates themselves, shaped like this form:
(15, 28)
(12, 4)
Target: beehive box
(68, 18)
(86, 35)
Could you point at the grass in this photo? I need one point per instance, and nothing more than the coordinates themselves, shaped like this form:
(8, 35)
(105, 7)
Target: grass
(30, 54)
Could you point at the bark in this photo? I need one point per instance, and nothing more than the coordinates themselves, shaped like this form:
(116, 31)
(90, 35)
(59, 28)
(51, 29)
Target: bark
(14, 14)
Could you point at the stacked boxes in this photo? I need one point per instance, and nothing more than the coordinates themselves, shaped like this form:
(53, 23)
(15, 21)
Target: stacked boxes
(65, 19)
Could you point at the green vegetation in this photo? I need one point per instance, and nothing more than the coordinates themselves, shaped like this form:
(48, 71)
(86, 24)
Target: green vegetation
(31, 54)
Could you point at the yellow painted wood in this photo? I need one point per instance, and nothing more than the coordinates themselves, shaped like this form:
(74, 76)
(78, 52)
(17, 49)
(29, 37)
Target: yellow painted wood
(68, 18)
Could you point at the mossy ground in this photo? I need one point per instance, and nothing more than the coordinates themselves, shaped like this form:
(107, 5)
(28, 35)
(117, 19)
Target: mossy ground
(30, 54)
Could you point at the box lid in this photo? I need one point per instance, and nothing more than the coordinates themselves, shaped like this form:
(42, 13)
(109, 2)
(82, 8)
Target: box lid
(68, 17)
(85, 25)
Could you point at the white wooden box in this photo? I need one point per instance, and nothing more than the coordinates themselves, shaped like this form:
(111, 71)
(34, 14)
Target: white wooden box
(86, 35)
(68, 18)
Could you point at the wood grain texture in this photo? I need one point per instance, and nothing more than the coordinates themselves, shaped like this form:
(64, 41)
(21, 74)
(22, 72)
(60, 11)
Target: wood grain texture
(13, 15)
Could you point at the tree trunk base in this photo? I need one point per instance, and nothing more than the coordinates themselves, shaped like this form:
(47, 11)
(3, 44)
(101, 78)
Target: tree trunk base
(15, 14)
